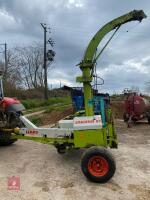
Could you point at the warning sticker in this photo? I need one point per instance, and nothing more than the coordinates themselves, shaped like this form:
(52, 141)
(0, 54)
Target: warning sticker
(92, 122)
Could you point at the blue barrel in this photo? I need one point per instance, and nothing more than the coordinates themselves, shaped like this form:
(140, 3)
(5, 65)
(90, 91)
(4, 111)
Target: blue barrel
(78, 102)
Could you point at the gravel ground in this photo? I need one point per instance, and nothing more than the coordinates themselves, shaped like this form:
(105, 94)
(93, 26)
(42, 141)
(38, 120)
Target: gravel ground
(44, 174)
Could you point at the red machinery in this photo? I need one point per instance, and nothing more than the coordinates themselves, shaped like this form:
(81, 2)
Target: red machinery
(10, 111)
(136, 107)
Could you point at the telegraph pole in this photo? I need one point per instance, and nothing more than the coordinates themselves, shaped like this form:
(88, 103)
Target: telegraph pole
(45, 62)
(5, 56)
(48, 56)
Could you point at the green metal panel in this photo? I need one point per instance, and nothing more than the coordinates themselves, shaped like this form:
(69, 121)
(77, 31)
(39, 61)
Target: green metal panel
(44, 140)
(87, 138)
(111, 136)
(88, 96)
(82, 79)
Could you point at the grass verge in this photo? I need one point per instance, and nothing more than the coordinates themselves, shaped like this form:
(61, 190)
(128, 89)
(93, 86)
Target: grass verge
(34, 105)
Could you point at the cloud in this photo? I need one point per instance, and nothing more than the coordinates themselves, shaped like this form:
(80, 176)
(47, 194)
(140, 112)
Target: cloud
(125, 62)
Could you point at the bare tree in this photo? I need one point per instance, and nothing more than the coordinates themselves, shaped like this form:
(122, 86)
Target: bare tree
(135, 89)
(24, 68)
(147, 86)
(11, 73)
(30, 62)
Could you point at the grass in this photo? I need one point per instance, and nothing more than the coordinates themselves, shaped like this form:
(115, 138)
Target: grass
(60, 107)
(36, 120)
(33, 105)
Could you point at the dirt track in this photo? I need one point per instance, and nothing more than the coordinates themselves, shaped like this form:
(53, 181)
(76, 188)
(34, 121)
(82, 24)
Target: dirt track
(44, 174)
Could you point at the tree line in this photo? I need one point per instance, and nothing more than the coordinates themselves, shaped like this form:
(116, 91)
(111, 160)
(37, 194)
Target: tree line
(24, 68)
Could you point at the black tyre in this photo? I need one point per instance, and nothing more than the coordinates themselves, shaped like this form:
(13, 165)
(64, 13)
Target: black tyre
(61, 148)
(61, 151)
(98, 165)
(148, 119)
(125, 118)
(5, 139)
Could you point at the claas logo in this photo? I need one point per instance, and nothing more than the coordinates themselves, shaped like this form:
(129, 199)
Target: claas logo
(31, 132)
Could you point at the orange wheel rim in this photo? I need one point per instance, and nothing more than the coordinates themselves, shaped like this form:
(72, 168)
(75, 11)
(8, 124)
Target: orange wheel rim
(98, 166)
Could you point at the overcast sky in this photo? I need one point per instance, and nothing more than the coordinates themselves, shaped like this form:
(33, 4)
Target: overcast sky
(125, 62)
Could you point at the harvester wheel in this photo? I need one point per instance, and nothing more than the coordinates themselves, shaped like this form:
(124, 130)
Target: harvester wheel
(5, 139)
(98, 165)
(61, 148)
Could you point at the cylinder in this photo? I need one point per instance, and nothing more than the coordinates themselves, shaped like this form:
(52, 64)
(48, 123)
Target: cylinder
(136, 106)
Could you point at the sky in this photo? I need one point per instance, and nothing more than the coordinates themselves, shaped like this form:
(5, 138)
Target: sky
(125, 63)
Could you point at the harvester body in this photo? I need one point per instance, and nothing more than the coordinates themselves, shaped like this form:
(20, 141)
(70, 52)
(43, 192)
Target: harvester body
(94, 131)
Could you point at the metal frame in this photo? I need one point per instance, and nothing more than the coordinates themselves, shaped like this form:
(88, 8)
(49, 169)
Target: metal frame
(85, 132)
